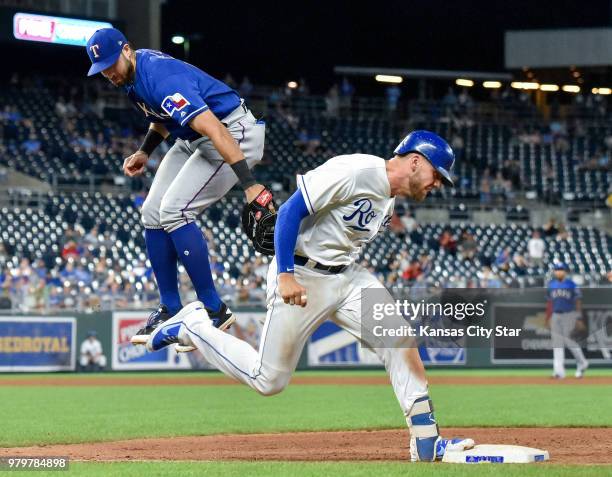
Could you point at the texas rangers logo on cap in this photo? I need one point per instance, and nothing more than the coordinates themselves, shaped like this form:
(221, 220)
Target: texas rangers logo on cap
(173, 103)
(104, 48)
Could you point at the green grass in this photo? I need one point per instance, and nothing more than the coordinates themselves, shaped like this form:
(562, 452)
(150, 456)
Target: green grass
(542, 372)
(316, 469)
(37, 415)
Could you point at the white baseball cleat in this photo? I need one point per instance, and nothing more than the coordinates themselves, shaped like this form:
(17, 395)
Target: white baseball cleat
(581, 369)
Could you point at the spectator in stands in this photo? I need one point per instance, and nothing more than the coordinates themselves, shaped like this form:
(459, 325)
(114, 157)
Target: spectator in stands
(82, 275)
(450, 98)
(308, 141)
(468, 247)
(71, 250)
(303, 89)
(39, 269)
(485, 187)
(332, 102)
(3, 174)
(92, 357)
(91, 238)
(246, 88)
(600, 161)
(457, 144)
(410, 224)
(230, 81)
(54, 298)
(501, 189)
(346, 94)
(11, 114)
(68, 273)
(393, 94)
(562, 233)
(511, 172)
(260, 268)
(4, 256)
(464, 100)
(61, 108)
(412, 271)
(502, 261)
(397, 227)
(425, 263)
(216, 266)
(520, 265)
(536, 248)
(243, 296)
(456, 281)
(447, 241)
(488, 279)
(139, 199)
(32, 144)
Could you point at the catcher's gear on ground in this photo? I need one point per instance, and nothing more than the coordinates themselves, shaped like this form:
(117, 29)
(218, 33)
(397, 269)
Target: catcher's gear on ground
(258, 222)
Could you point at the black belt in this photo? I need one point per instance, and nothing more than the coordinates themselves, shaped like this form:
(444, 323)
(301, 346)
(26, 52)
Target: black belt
(302, 261)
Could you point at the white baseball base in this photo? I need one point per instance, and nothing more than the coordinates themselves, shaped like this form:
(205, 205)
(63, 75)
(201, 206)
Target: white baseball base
(496, 454)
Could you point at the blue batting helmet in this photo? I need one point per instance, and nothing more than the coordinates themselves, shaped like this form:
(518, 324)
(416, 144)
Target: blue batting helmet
(435, 149)
(561, 266)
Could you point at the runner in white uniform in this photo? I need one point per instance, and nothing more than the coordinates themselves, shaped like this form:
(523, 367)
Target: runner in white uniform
(338, 207)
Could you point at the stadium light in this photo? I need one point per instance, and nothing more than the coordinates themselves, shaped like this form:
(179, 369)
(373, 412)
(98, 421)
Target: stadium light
(292, 85)
(601, 91)
(571, 88)
(464, 82)
(389, 79)
(491, 84)
(178, 39)
(549, 87)
(522, 85)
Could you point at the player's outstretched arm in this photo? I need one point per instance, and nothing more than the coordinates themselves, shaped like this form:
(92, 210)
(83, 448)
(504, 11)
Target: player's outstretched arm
(287, 228)
(207, 124)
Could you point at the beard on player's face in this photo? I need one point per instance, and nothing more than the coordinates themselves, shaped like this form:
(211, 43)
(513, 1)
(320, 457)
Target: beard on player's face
(121, 73)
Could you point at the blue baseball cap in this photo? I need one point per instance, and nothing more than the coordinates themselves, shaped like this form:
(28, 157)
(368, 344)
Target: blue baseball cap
(104, 48)
(561, 266)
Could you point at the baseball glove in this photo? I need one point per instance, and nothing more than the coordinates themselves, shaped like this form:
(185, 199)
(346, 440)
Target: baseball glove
(258, 222)
(580, 332)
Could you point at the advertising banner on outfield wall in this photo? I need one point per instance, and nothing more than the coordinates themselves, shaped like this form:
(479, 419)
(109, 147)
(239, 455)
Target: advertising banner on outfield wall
(30, 343)
(330, 345)
(534, 346)
(126, 356)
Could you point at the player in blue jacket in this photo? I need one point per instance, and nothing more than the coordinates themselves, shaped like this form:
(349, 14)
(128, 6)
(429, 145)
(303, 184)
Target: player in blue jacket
(565, 307)
(218, 141)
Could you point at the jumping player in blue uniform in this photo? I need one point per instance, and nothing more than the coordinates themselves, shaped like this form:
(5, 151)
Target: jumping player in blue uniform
(218, 141)
(565, 307)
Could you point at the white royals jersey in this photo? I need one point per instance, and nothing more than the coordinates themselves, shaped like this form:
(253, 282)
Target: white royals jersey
(349, 200)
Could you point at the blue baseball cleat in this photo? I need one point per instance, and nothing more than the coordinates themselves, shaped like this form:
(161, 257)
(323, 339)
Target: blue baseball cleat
(168, 332)
(425, 441)
(430, 449)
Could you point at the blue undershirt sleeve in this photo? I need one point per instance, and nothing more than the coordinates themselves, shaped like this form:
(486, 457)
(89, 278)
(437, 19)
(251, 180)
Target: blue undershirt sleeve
(290, 215)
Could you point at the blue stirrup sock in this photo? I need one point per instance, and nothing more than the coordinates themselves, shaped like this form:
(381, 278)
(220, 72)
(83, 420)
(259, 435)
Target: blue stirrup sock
(192, 250)
(162, 256)
(424, 432)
